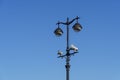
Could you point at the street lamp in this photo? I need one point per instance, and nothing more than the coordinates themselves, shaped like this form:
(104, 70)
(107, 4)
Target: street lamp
(58, 32)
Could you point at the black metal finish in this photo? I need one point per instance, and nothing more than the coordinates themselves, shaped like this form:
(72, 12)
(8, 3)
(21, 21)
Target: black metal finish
(68, 54)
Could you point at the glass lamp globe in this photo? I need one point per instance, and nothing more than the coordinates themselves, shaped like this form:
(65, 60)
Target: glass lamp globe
(58, 32)
(77, 27)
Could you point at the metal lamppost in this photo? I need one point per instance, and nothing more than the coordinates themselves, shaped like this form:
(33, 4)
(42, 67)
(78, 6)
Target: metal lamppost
(70, 50)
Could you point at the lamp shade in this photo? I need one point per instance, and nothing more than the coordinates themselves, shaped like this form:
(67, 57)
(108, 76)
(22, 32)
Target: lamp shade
(77, 27)
(58, 32)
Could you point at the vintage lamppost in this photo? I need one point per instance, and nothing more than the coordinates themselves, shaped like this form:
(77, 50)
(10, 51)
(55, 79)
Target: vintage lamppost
(70, 50)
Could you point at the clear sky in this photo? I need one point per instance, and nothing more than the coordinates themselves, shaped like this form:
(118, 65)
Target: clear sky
(28, 47)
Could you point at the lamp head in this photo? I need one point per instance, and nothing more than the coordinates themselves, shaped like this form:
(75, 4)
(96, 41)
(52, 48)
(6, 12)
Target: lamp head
(60, 53)
(74, 48)
(58, 32)
(77, 27)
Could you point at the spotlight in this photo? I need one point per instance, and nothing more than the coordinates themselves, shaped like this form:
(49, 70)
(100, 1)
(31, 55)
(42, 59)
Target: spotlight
(72, 47)
(60, 53)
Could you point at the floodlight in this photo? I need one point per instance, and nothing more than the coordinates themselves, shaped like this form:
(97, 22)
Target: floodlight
(60, 53)
(72, 47)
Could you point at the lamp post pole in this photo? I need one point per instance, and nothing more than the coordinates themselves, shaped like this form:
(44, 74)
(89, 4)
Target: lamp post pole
(67, 53)
(77, 27)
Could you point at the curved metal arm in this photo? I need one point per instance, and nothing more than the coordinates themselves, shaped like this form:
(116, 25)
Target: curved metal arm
(68, 23)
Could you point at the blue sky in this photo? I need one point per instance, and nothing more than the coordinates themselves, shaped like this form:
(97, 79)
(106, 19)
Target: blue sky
(28, 47)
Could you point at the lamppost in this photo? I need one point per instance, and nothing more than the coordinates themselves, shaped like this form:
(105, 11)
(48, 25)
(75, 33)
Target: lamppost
(70, 50)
